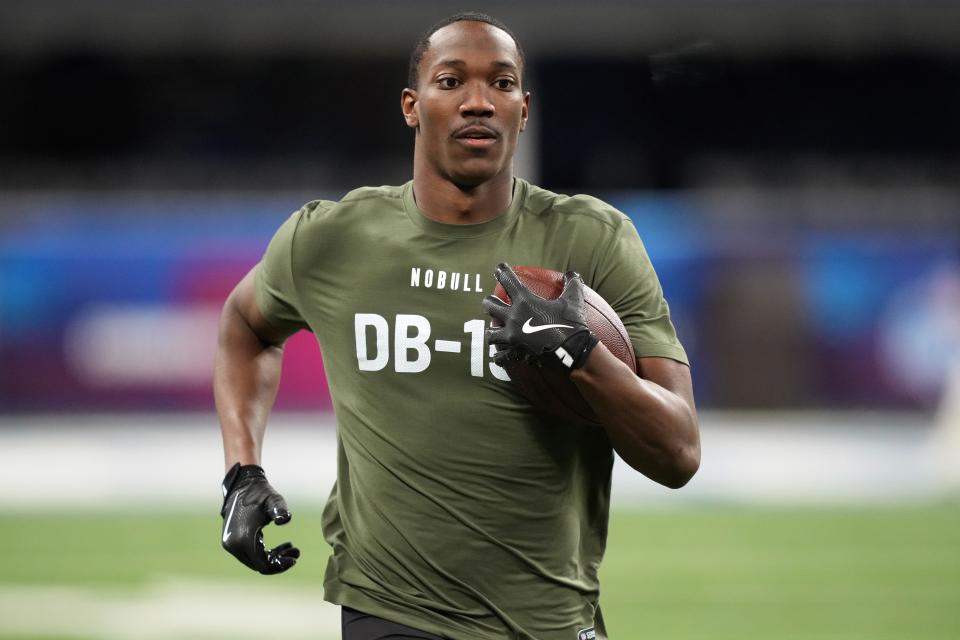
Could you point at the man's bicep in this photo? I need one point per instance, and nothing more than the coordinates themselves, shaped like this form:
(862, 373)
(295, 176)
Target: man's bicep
(627, 280)
(670, 374)
(243, 302)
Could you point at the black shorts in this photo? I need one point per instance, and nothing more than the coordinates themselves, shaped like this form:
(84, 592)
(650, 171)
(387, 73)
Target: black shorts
(356, 625)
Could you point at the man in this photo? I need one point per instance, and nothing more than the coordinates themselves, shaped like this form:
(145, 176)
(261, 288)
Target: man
(459, 511)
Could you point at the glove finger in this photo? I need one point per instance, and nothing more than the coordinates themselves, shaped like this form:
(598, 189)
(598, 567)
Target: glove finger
(259, 553)
(276, 508)
(504, 357)
(278, 565)
(495, 307)
(285, 549)
(572, 285)
(505, 276)
(280, 559)
(497, 336)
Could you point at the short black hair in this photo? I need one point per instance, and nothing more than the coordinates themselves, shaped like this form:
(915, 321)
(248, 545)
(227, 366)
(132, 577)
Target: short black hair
(423, 43)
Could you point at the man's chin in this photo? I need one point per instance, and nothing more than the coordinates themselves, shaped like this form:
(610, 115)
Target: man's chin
(469, 177)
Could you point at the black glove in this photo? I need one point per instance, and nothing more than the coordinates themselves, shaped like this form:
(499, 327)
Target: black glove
(542, 332)
(250, 503)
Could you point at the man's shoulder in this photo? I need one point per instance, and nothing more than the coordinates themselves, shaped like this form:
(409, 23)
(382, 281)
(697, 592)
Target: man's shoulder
(387, 193)
(372, 199)
(581, 207)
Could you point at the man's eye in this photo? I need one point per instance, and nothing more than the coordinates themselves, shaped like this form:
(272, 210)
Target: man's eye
(449, 83)
(505, 83)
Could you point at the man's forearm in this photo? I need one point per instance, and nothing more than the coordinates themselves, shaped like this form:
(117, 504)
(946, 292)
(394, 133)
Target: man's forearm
(652, 428)
(245, 382)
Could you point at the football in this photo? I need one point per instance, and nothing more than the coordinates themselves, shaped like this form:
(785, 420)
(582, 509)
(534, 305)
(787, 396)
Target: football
(551, 390)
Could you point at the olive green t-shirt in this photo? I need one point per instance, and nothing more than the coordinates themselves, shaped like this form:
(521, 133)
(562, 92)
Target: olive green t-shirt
(458, 509)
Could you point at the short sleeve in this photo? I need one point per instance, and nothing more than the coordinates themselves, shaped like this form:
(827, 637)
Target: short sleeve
(274, 283)
(625, 278)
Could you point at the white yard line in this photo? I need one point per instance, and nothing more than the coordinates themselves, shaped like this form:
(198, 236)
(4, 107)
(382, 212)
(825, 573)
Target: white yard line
(126, 461)
(169, 609)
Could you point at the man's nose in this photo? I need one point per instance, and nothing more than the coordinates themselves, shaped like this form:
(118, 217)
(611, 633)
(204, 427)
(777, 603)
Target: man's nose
(476, 102)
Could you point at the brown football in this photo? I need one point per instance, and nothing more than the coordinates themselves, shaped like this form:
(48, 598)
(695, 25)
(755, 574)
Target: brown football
(551, 390)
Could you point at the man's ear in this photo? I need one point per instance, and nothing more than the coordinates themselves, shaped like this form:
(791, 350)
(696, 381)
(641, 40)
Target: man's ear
(408, 104)
(525, 111)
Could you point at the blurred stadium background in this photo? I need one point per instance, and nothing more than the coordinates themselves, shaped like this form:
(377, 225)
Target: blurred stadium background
(794, 169)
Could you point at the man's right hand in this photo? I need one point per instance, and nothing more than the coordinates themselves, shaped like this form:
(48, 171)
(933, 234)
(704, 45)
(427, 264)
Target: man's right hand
(249, 504)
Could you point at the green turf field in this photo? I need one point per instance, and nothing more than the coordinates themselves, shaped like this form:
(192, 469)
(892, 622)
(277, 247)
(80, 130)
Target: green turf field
(711, 572)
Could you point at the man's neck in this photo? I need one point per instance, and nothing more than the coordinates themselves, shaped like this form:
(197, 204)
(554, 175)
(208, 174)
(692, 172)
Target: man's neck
(444, 201)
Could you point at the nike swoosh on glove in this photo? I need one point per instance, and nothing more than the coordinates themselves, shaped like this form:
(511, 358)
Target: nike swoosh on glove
(539, 331)
(249, 504)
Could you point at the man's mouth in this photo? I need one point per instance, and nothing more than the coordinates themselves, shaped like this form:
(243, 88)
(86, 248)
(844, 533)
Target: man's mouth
(477, 137)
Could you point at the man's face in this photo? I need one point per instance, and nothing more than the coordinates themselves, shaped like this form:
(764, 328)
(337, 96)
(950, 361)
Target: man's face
(468, 107)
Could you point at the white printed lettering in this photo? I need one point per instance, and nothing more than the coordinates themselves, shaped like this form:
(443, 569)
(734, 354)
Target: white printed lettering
(382, 355)
(441, 280)
(447, 346)
(404, 343)
(475, 329)
(411, 346)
